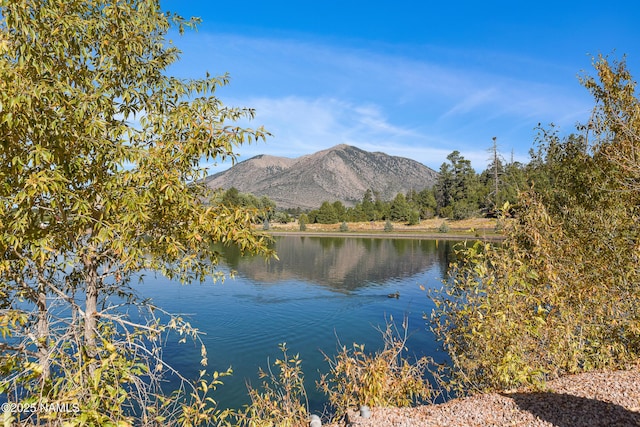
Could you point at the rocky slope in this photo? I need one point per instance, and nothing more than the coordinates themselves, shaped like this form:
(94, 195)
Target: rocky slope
(341, 173)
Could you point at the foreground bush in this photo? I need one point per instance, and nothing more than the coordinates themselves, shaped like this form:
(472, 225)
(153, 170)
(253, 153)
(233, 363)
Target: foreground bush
(383, 378)
(562, 293)
(282, 400)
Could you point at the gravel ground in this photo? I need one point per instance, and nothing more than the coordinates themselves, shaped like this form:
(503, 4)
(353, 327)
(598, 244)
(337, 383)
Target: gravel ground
(584, 400)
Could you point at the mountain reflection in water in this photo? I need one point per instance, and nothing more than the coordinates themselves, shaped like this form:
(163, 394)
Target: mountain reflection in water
(343, 264)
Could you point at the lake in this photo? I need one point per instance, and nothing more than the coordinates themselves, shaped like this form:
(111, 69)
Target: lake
(321, 290)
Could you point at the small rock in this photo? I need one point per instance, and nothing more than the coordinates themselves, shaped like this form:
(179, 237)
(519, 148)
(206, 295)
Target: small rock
(365, 412)
(314, 421)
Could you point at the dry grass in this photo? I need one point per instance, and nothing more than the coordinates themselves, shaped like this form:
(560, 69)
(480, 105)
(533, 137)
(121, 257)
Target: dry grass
(473, 227)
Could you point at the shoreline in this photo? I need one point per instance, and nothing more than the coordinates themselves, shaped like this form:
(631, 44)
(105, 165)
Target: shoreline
(391, 235)
(483, 229)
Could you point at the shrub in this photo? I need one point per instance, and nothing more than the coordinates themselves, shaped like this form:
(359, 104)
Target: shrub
(283, 398)
(549, 301)
(282, 218)
(446, 212)
(463, 210)
(384, 378)
(122, 377)
(414, 218)
(388, 226)
(344, 227)
(302, 221)
(444, 227)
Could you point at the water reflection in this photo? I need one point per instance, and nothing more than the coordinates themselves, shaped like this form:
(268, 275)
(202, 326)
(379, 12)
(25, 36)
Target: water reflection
(320, 291)
(343, 264)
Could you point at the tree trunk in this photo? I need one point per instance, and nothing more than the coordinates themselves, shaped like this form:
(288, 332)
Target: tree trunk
(91, 305)
(43, 331)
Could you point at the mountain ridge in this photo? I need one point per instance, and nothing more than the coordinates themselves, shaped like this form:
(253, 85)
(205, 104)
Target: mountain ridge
(342, 172)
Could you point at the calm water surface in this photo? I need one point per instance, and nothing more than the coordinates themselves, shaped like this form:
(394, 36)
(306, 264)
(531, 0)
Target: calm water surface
(321, 290)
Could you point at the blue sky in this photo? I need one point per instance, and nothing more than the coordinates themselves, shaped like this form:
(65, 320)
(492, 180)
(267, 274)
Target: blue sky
(416, 79)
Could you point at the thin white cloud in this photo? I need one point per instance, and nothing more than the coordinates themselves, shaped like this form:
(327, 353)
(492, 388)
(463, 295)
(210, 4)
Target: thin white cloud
(472, 102)
(300, 124)
(372, 119)
(312, 95)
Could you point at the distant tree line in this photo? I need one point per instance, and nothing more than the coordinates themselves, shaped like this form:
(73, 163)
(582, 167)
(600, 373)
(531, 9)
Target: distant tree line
(233, 197)
(461, 193)
(409, 208)
(458, 193)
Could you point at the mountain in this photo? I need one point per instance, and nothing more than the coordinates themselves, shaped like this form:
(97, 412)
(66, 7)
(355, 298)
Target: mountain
(341, 173)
